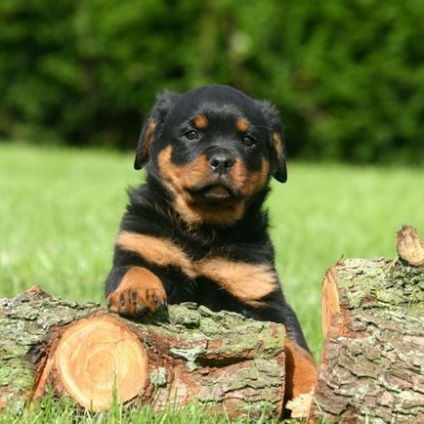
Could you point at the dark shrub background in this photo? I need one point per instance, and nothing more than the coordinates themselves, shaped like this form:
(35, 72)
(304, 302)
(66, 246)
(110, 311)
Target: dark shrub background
(347, 76)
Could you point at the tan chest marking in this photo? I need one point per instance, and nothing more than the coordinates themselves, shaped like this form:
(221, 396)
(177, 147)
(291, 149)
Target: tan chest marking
(247, 282)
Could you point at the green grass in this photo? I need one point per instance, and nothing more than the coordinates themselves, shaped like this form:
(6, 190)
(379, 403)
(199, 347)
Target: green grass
(63, 411)
(60, 210)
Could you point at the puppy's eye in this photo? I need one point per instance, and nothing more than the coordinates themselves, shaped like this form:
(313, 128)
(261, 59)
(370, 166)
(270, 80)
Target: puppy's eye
(192, 135)
(248, 140)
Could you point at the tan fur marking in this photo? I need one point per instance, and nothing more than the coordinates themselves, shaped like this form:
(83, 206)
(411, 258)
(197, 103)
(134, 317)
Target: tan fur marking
(192, 173)
(139, 277)
(242, 125)
(140, 291)
(201, 122)
(249, 183)
(195, 214)
(301, 370)
(179, 178)
(155, 250)
(151, 126)
(244, 281)
(247, 282)
(278, 144)
(148, 138)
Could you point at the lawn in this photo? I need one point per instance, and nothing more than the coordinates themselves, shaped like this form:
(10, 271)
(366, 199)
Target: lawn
(60, 210)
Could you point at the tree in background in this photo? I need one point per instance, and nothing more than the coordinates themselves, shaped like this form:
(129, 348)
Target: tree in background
(348, 77)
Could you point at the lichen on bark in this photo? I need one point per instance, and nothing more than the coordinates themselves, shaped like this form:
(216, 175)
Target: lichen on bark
(25, 322)
(380, 283)
(193, 354)
(373, 358)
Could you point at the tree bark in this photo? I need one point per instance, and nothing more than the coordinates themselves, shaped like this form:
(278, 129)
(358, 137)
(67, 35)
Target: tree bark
(372, 365)
(187, 354)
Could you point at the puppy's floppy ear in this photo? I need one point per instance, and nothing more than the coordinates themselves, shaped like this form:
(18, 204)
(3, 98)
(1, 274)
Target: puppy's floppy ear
(278, 150)
(164, 104)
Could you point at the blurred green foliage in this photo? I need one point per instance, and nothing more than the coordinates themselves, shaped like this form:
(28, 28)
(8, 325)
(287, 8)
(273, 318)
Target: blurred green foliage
(347, 76)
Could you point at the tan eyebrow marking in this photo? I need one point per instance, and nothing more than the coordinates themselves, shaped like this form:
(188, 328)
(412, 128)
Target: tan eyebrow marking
(201, 122)
(242, 125)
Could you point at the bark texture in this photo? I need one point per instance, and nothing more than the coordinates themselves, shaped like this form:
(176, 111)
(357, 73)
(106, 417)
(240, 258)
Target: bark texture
(26, 326)
(372, 365)
(188, 354)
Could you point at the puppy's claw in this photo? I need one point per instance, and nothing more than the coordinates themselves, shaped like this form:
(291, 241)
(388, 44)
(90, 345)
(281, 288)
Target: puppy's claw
(156, 300)
(140, 311)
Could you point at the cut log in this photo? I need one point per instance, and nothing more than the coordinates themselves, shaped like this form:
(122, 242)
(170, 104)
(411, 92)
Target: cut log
(188, 354)
(372, 365)
(94, 359)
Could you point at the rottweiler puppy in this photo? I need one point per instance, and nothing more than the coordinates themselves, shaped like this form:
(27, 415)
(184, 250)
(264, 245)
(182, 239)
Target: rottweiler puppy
(196, 230)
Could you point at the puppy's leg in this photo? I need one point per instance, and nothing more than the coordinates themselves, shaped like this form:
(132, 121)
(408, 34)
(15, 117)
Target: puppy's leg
(300, 368)
(293, 327)
(134, 291)
(301, 373)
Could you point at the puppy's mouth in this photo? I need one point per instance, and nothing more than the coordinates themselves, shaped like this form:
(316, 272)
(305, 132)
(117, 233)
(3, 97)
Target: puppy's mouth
(215, 193)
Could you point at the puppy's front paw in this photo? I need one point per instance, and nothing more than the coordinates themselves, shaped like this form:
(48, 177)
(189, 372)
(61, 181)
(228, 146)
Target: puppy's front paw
(139, 293)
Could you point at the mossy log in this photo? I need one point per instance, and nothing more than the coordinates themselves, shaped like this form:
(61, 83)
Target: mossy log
(372, 365)
(188, 354)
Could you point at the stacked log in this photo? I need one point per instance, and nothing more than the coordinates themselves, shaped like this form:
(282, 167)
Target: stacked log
(372, 367)
(371, 370)
(187, 354)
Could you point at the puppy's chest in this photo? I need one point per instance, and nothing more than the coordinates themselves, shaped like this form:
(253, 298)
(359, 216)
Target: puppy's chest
(196, 255)
(201, 247)
(233, 268)
(236, 266)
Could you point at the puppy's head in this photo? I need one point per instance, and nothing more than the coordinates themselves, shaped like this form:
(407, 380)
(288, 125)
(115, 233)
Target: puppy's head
(213, 148)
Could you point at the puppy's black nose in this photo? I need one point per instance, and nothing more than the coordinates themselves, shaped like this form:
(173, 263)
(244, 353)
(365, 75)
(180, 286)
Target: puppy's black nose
(221, 162)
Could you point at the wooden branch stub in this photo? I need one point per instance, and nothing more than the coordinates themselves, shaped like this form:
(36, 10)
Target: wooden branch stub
(410, 246)
(330, 302)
